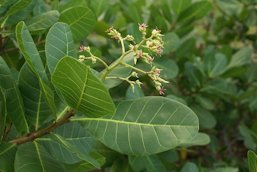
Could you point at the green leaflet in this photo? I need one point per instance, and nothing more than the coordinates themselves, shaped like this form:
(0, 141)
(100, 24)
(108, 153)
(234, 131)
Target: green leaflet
(145, 126)
(81, 89)
(252, 161)
(59, 43)
(32, 57)
(13, 99)
(43, 21)
(35, 105)
(31, 157)
(81, 21)
(179, 5)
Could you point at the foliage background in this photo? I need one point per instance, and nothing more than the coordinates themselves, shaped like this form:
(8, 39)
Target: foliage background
(209, 58)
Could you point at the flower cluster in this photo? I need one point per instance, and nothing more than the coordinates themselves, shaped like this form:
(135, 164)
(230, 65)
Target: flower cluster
(143, 51)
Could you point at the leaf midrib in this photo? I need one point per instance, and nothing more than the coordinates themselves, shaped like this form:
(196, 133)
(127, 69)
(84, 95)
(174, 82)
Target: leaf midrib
(130, 123)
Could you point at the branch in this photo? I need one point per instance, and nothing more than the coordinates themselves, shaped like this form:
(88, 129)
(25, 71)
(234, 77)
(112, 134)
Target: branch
(34, 135)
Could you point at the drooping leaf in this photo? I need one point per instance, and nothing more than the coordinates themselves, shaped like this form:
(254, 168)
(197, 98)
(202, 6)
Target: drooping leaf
(89, 156)
(13, 99)
(33, 59)
(32, 157)
(145, 126)
(72, 144)
(59, 43)
(81, 89)
(43, 21)
(195, 12)
(81, 21)
(35, 105)
(252, 161)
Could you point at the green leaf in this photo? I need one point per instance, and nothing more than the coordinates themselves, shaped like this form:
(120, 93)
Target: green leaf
(171, 42)
(43, 21)
(134, 93)
(149, 163)
(189, 167)
(200, 139)
(59, 43)
(252, 161)
(219, 65)
(193, 74)
(169, 68)
(14, 103)
(17, 7)
(99, 6)
(195, 12)
(81, 21)
(2, 113)
(230, 7)
(7, 156)
(81, 89)
(32, 57)
(242, 57)
(71, 144)
(179, 5)
(119, 71)
(206, 119)
(249, 137)
(145, 126)
(33, 157)
(35, 105)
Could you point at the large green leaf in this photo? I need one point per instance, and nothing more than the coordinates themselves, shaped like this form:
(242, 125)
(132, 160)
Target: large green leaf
(81, 21)
(35, 105)
(32, 157)
(59, 43)
(200, 139)
(218, 66)
(252, 161)
(171, 42)
(2, 113)
(43, 21)
(145, 126)
(81, 89)
(14, 103)
(32, 57)
(206, 119)
(195, 12)
(169, 68)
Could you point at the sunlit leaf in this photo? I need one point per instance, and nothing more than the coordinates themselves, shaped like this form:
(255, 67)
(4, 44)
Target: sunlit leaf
(145, 126)
(81, 89)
